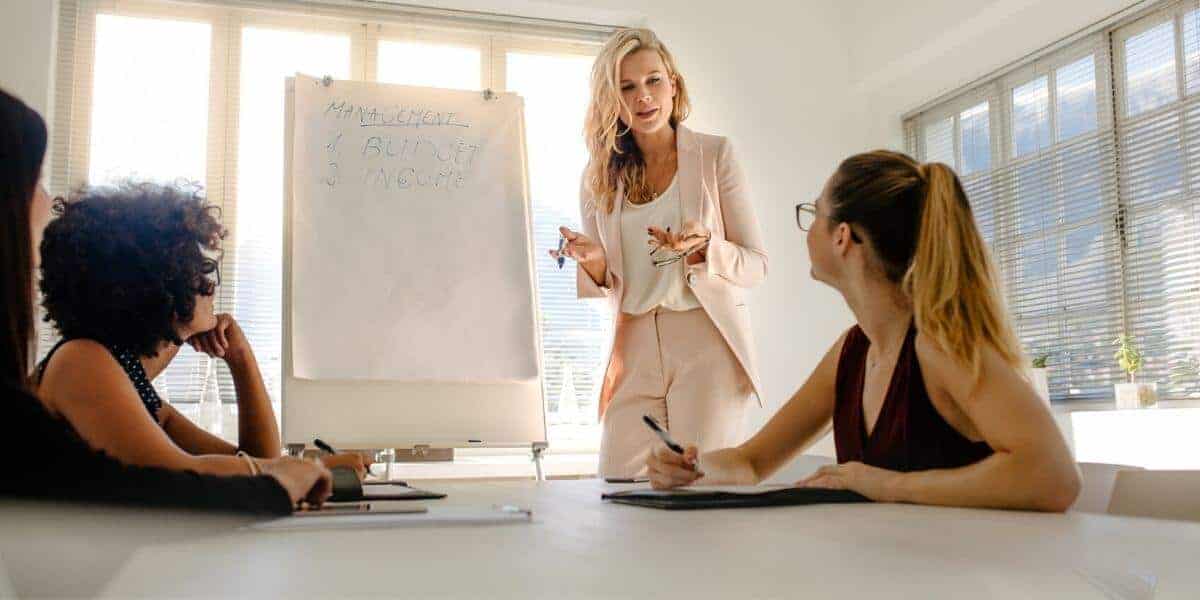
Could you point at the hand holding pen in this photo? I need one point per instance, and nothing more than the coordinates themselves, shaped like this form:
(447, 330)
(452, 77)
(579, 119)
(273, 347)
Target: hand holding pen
(671, 465)
(333, 458)
(575, 245)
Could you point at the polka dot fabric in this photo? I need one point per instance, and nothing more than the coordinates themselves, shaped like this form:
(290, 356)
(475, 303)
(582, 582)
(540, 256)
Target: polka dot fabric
(133, 368)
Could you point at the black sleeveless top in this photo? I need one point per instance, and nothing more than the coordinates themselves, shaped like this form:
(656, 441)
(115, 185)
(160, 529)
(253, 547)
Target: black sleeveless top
(909, 434)
(132, 365)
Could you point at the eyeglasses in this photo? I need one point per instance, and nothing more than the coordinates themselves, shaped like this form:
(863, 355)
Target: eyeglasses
(210, 272)
(806, 216)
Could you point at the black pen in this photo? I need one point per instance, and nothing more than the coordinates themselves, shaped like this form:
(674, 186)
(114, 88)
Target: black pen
(654, 426)
(561, 240)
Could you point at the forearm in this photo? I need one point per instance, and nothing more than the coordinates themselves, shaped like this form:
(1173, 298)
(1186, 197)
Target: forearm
(728, 466)
(1004, 480)
(596, 269)
(205, 464)
(258, 432)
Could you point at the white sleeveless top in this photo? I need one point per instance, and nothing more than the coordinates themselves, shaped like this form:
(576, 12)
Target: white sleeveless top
(646, 286)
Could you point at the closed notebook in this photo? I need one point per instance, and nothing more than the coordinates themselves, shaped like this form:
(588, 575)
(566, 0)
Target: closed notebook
(699, 497)
(348, 488)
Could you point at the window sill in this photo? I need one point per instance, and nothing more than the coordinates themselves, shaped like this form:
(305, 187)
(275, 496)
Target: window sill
(1110, 405)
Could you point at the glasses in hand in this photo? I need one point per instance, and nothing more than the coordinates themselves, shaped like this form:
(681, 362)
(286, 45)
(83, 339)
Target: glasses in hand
(668, 248)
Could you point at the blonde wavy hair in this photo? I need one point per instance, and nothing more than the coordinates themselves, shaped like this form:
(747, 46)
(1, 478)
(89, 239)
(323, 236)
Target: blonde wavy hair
(614, 159)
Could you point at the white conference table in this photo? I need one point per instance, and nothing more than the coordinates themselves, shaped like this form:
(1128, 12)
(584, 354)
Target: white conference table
(578, 546)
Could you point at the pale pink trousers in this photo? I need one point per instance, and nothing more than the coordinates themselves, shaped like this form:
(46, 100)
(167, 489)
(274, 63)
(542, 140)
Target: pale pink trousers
(675, 367)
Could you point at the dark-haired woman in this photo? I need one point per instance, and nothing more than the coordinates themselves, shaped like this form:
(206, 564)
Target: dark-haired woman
(924, 394)
(129, 273)
(67, 468)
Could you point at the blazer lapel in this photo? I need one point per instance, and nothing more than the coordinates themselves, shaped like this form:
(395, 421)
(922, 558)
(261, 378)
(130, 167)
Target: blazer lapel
(690, 172)
(611, 228)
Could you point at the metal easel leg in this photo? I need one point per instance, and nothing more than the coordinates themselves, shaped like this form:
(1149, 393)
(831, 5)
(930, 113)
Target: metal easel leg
(539, 448)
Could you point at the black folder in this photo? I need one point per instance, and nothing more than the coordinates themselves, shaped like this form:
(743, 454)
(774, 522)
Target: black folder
(694, 499)
(348, 488)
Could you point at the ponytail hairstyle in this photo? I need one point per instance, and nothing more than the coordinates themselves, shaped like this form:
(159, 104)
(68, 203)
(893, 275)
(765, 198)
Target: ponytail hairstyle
(924, 239)
(614, 158)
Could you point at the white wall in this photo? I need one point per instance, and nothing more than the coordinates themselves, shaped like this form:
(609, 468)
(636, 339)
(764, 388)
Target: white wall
(27, 50)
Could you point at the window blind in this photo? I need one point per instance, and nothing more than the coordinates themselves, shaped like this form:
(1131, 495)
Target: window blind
(1077, 167)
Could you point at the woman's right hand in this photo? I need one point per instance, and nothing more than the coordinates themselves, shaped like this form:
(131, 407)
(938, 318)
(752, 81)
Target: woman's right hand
(304, 481)
(580, 247)
(671, 470)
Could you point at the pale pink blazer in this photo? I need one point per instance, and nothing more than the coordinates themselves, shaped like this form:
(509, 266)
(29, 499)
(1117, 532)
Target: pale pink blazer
(712, 190)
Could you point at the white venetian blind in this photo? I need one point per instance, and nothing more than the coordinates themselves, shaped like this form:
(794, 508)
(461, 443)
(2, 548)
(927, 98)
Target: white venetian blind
(1158, 66)
(1079, 167)
(200, 107)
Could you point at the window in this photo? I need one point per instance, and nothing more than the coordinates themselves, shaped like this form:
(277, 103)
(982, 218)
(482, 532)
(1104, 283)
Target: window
(574, 332)
(1086, 198)
(424, 64)
(199, 108)
(269, 56)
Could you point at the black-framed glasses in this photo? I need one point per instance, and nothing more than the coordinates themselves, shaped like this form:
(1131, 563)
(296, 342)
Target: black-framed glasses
(806, 216)
(211, 272)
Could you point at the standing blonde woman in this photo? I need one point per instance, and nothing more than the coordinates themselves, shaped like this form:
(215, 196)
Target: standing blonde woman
(670, 239)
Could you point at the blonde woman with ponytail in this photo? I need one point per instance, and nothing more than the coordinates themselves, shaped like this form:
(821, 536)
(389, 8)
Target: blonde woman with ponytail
(925, 394)
(670, 239)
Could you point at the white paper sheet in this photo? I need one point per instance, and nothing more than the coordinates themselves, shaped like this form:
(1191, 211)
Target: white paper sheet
(434, 516)
(411, 252)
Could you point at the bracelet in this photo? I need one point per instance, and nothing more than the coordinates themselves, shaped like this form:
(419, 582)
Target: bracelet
(250, 462)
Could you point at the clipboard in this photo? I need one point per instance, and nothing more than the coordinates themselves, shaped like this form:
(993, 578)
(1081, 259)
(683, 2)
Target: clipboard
(734, 497)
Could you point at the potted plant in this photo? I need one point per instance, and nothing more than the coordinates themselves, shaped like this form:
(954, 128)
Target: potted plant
(1039, 376)
(1133, 394)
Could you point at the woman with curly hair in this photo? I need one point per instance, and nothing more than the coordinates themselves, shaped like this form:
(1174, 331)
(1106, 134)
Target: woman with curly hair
(129, 273)
(26, 423)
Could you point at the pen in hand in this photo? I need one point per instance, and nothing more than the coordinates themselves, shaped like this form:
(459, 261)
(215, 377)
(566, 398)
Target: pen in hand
(691, 462)
(562, 239)
(324, 447)
(321, 445)
(656, 428)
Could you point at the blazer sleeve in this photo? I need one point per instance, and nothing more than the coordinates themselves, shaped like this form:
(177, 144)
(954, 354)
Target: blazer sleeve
(585, 286)
(741, 257)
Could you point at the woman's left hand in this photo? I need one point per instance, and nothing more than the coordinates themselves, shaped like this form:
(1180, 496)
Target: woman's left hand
(691, 240)
(872, 482)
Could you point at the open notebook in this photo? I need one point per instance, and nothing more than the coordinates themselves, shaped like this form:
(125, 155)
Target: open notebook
(701, 497)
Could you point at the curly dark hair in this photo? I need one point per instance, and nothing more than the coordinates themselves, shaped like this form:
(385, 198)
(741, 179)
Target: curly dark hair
(123, 264)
